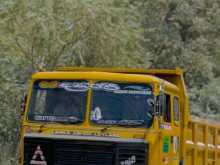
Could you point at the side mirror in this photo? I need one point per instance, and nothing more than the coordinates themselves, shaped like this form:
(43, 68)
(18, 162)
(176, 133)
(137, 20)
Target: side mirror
(159, 108)
(23, 104)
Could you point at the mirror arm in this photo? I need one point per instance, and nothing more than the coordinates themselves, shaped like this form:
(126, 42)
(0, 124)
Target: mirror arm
(23, 104)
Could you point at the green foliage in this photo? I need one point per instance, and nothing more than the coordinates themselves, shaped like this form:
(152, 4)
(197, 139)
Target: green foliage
(186, 34)
(10, 94)
(175, 37)
(45, 34)
(208, 101)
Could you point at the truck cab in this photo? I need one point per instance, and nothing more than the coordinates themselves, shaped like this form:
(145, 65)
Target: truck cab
(88, 116)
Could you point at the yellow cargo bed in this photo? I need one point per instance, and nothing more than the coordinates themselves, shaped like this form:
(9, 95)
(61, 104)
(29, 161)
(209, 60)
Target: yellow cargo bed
(203, 143)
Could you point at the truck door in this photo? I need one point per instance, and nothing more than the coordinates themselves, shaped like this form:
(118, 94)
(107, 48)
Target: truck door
(170, 131)
(175, 141)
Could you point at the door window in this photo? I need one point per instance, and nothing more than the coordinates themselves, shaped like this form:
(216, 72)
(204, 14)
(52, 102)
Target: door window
(167, 109)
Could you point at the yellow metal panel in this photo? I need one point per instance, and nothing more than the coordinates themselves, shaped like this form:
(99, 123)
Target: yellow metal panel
(204, 141)
(95, 76)
(176, 71)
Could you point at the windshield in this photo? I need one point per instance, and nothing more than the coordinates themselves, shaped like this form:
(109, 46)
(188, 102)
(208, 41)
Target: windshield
(122, 104)
(58, 101)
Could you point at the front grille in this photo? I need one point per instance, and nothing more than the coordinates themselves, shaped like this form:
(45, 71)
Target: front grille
(81, 152)
(84, 153)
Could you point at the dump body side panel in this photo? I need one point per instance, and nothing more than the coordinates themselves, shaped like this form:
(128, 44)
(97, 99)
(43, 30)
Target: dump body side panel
(203, 143)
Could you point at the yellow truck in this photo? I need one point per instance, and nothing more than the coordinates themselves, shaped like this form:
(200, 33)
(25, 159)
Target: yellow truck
(98, 116)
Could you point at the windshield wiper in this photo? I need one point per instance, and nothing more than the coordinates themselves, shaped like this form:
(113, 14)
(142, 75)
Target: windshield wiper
(73, 119)
(130, 122)
(67, 120)
(121, 122)
(107, 122)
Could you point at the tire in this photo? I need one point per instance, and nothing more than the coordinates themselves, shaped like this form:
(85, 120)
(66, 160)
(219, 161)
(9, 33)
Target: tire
(181, 162)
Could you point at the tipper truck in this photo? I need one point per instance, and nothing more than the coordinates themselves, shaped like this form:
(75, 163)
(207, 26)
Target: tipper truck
(101, 116)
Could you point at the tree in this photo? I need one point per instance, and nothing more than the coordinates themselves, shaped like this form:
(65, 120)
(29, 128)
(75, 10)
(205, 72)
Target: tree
(174, 38)
(47, 33)
(186, 34)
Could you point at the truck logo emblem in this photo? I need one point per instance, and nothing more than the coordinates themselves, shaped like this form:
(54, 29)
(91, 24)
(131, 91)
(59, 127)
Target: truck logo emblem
(38, 157)
(129, 161)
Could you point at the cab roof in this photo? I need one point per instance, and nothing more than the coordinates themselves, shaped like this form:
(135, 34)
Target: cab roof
(176, 71)
(105, 74)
